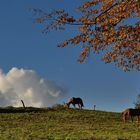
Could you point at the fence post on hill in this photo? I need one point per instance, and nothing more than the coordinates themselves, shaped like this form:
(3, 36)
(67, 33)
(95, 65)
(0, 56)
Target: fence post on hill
(23, 104)
(94, 107)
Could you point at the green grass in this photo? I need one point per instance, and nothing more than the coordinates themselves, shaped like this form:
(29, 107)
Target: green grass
(69, 124)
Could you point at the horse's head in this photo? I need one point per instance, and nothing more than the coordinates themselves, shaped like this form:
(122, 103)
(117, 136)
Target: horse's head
(126, 114)
(67, 105)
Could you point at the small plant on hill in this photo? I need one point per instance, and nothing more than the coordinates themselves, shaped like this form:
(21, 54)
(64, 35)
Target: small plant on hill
(58, 106)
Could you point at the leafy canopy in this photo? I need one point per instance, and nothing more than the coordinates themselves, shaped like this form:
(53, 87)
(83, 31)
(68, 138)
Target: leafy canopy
(110, 26)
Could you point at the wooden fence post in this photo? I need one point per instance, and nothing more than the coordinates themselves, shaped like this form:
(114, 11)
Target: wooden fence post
(23, 104)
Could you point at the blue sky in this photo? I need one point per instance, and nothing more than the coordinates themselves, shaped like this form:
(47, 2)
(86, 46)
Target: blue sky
(22, 45)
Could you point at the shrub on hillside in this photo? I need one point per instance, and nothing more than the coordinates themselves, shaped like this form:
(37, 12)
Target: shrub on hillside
(58, 106)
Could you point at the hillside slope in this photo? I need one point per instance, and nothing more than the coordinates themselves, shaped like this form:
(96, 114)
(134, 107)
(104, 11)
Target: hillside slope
(67, 124)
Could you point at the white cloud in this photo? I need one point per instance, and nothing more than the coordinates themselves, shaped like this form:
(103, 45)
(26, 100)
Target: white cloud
(26, 85)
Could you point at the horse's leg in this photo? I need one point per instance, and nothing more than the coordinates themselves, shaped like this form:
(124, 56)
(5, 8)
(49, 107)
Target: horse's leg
(131, 118)
(138, 118)
(124, 118)
(79, 106)
(74, 105)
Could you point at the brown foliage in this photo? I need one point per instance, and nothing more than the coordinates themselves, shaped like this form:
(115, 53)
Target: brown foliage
(102, 27)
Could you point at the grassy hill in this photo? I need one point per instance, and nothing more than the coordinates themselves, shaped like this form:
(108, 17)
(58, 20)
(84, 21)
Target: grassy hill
(66, 124)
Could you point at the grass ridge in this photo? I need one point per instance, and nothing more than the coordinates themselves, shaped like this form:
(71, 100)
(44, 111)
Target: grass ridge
(65, 124)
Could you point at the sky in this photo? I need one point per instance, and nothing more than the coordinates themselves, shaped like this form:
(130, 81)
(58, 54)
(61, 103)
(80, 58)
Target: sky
(32, 68)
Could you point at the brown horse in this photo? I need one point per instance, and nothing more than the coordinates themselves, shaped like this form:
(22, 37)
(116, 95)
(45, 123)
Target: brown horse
(126, 114)
(75, 101)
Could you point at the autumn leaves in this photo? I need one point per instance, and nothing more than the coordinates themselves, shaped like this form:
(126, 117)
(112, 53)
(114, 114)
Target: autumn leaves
(104, 25)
